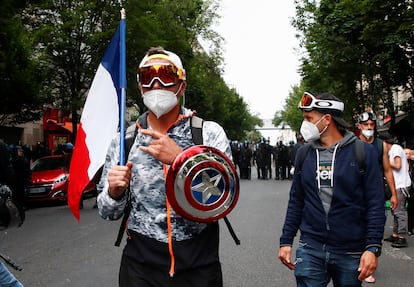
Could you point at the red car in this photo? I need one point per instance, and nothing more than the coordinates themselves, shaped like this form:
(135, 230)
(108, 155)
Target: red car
(50, 179)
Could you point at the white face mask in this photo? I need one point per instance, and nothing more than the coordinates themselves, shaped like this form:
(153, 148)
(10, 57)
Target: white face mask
(368, 133)
(310, 131)
(160, 102)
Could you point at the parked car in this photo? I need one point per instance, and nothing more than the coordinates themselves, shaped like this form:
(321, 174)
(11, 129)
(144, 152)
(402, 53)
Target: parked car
(49, 181)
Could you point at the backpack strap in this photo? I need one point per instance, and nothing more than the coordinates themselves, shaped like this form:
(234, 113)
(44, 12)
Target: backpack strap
(231, 230)
(196, 125)
(131, 134)
(380, 147)
(142, 120)
(360, 155)
(300, 157)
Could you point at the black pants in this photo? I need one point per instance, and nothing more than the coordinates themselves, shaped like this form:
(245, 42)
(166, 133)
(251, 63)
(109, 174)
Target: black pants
(262, 172)
(245, 172)
(281, 170)
(133, 274)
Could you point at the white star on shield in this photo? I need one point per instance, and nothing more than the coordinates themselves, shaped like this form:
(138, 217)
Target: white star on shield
(208, 186)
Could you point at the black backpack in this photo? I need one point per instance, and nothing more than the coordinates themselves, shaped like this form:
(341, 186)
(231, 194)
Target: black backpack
(196, 124)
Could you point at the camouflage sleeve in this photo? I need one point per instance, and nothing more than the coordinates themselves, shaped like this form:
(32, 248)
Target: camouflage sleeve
(109, 209)
(215, 136)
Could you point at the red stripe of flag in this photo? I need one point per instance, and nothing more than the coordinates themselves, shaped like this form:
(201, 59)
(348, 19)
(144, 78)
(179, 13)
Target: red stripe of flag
(98, 124)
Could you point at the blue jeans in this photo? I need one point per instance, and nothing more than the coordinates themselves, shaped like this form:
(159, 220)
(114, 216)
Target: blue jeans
(7, 279)
(315, 268)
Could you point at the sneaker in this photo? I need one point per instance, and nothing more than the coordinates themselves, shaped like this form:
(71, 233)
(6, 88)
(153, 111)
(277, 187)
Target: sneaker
(399, 243)
(391, 238)
(370, 279)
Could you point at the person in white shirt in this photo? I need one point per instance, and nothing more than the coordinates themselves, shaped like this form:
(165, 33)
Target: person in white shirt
(399, 164)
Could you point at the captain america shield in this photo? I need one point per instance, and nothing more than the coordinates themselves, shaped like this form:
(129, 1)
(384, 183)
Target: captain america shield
(202, 184)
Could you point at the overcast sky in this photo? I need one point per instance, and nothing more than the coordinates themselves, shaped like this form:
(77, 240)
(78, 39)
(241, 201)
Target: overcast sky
(260, 52)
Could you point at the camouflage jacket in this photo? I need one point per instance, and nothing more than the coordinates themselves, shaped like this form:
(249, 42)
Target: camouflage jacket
(148, 215)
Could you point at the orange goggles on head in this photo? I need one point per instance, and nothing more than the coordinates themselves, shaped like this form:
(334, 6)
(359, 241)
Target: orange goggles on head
(309, 102)
(167, 74)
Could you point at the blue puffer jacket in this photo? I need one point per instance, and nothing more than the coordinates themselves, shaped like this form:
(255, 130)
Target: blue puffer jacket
(355, 216)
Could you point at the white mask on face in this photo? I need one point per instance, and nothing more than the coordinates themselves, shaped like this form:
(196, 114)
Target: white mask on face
(160, 102)
(310, 131)
(368, 133)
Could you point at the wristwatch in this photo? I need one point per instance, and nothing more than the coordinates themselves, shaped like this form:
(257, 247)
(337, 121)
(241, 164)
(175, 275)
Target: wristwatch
(376, 250)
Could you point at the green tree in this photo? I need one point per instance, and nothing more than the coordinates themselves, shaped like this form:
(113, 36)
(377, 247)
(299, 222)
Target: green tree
(290, 113)
(253, 136)
(71, 37)
(210, 96)
(360, 51)
(174, 25)
(177, 26)
(20, 75)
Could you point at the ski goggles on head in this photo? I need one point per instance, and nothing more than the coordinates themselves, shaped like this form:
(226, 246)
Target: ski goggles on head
(308, 102)
(365, 116)
(167, 74)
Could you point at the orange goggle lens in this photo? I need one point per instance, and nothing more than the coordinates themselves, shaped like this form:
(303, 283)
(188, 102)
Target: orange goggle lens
(306, 100)
(166, 74)
(309, 102)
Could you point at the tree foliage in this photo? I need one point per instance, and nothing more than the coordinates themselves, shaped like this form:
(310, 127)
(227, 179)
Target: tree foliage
(290, 113)
(69, 39)
(179, 26)
(361, 51)
(19, 71)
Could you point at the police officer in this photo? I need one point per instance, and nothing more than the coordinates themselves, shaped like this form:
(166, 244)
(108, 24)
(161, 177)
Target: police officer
(262, 156)
(245, 160)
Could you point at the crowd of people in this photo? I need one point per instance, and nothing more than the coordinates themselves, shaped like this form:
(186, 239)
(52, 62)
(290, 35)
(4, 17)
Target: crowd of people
(337, 197)
(265, 157)
(15, 170)
(16, 162)
(393, 160)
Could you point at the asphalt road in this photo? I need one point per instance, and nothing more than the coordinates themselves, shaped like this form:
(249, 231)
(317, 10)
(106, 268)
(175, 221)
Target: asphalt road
(55, 250)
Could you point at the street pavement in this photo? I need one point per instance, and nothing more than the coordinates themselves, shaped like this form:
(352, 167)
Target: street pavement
(55, 250)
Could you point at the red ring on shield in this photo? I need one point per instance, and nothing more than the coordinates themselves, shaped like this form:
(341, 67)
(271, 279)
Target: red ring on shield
(202, 184)
(189, 193)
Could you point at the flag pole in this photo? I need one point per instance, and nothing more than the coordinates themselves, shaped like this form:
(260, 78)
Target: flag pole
(123, 86)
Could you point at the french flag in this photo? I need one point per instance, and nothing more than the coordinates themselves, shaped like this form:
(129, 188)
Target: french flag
(99, 121)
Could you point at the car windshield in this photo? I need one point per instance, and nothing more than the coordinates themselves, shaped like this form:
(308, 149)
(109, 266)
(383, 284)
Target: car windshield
(51, 163)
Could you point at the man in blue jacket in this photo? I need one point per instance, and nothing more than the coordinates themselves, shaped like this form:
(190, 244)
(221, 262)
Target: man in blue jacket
(338, 209)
